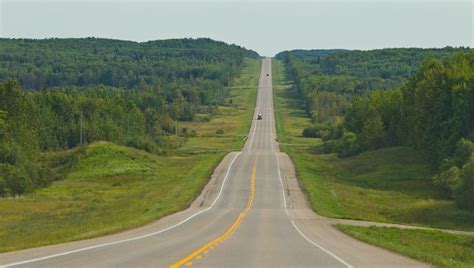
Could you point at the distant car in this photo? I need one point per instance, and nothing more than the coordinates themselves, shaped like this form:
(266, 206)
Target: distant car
(268, 74)
(259, 117)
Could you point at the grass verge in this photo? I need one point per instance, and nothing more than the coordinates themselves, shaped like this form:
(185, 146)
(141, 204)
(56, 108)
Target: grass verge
(109, 188)
(388, 185)
(435, 247)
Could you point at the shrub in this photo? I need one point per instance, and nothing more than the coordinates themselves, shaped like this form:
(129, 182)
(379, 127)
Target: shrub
(452, 172)
(144, 144)
(61, 163)
(448, 180)
(464, 150)
(20, 174)
(167, 124)
(13, 180)
(326, 131)
(326, 147)
(349, 145)
(185, 132)
(220, 131)
(311, 132)
(202, 118)
(334, 132)
(464, 194)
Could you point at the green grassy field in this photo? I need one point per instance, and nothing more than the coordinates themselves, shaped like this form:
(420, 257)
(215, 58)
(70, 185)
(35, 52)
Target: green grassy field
(234, 120)
(435, 247)
(110, 188)
(388, 185)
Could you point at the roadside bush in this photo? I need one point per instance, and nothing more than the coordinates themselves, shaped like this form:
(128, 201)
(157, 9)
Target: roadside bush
(451, 174)
(19, 173)
(14, 180)
(326, 147)
(334, 132)
(144, 144)
(448, 180)
(62, 162)
(349, 145)
(312, 132)
(325, 131)
(456, 179)
(464, 194)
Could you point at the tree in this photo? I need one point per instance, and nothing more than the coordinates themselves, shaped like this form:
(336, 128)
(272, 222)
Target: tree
(372, 135)
(464, 193)
(3, 115)
(19, 148)
(20, 124)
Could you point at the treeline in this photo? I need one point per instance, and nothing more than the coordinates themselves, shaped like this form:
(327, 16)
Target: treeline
(430, 109)
(19, 149)
(40, 64)
(83, 90)
(328, 79)
(432, 112)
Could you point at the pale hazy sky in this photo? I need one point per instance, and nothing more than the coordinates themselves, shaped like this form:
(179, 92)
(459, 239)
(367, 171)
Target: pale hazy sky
(265, 26)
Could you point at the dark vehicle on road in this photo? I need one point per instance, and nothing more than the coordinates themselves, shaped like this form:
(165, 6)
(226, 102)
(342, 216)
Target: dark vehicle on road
(259, 117)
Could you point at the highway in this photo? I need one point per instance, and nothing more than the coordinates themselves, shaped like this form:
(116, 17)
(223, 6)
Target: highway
(252, 213)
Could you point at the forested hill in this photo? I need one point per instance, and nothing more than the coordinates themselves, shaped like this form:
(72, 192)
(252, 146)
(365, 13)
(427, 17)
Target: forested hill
(40, 64)
(367, 100)
(354, 71)
(328, 79)
(58, 93)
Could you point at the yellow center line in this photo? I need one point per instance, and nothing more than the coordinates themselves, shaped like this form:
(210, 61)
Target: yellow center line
(228, 232)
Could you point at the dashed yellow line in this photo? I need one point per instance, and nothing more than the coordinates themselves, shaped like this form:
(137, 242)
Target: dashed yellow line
(205, 249)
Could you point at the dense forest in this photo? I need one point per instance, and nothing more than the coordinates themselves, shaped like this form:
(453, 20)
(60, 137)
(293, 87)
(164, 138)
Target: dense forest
(58, 93)
(423, 98)
(327, 79)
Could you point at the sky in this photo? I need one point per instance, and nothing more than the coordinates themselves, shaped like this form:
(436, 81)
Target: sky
(265, 26)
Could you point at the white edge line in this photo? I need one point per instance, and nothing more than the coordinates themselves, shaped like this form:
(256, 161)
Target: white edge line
(320, 247)
(134, 238)
(254, 125)
(281, 183)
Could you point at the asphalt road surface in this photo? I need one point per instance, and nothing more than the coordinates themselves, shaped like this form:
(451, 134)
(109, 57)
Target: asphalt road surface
(252, 213)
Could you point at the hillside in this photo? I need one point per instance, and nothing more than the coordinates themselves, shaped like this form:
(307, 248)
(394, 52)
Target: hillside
(387, 185)
(56, 94)
(394, 155)
(104, 188)
(110, 188)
